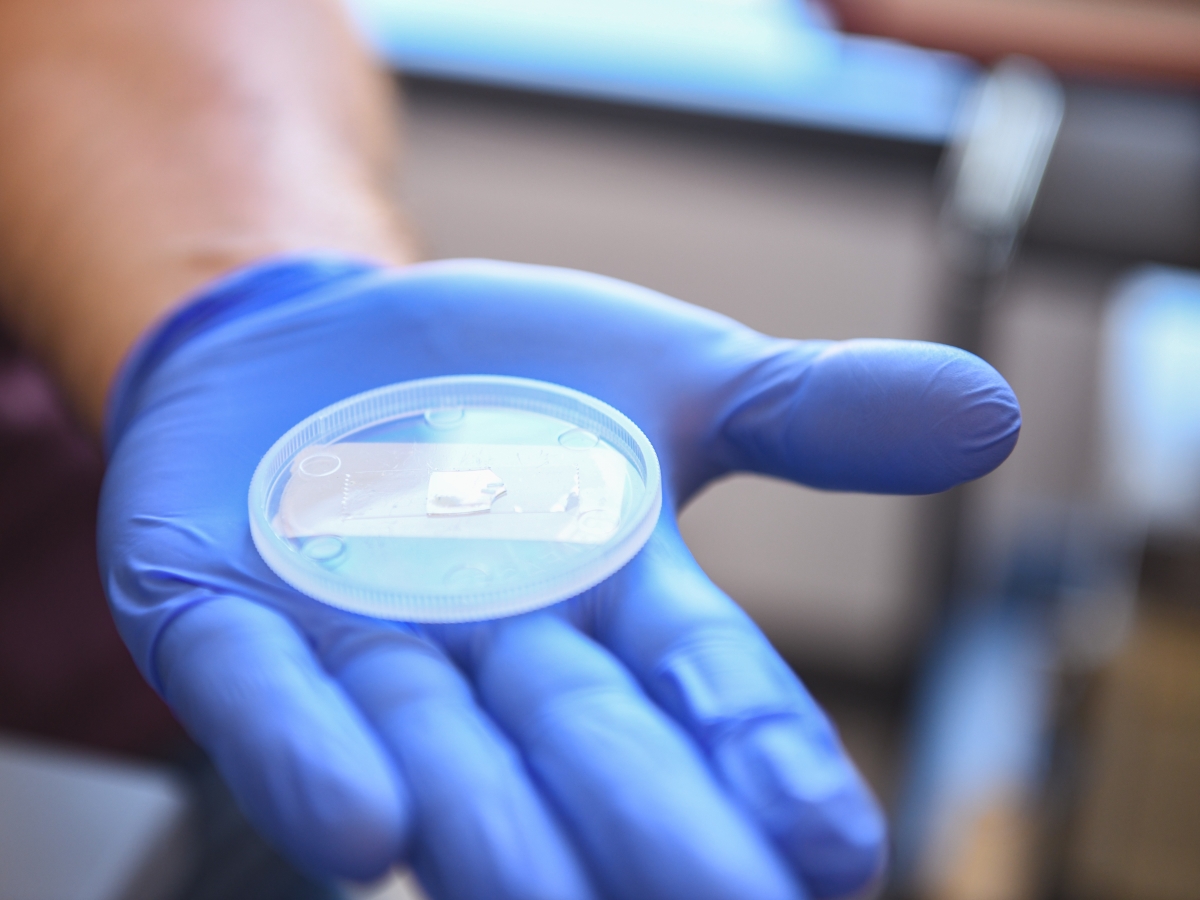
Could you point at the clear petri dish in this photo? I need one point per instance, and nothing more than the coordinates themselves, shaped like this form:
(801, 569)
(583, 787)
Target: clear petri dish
(455, 499)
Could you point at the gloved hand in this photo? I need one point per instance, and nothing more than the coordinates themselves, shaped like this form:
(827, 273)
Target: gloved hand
(642, 740)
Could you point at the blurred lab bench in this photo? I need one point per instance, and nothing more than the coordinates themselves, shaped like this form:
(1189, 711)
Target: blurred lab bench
(79, 826)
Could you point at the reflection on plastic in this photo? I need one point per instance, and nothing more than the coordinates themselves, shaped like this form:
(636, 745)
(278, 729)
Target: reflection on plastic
(469, 491)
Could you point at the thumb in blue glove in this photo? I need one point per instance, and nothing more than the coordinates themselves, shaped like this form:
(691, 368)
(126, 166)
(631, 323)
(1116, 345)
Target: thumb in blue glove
(640, 740)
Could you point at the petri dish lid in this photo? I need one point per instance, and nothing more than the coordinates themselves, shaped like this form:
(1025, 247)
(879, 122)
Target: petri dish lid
(455, 499)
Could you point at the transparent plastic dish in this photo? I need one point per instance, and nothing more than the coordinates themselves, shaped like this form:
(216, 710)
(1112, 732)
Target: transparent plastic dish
(455, 499)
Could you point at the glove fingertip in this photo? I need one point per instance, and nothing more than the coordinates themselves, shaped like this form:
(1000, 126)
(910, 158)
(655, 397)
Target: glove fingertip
(904, 417)
(978, 416)
(799, 783)
(331, 812)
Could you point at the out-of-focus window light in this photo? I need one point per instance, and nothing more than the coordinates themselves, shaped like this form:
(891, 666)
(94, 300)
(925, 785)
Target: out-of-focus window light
(1152, 399)
(772, 60)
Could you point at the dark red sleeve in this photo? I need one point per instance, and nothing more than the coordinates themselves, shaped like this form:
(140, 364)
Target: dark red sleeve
(64, 672)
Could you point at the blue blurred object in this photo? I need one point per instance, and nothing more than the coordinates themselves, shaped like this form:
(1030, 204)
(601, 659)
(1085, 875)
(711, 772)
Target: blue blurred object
(978, 735)
(1152, 398)
(768, 60)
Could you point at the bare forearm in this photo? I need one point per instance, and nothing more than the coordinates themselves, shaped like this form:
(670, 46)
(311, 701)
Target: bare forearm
(151, 145)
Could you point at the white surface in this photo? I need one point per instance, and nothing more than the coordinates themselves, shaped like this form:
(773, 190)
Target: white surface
(76, 826)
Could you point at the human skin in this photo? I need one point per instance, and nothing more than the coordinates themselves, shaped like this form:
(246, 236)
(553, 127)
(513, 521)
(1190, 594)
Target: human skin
(1139, 39)
(152, 145)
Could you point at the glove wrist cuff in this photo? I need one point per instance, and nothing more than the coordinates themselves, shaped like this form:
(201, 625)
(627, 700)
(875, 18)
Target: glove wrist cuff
(250, 289)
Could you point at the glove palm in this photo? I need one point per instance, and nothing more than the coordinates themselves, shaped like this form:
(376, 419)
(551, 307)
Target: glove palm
(640, 740)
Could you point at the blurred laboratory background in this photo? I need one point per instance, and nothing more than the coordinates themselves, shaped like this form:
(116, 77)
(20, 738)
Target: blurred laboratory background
(1015, 665)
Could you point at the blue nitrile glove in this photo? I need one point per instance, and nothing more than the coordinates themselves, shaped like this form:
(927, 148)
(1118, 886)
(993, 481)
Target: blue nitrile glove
(642, 740)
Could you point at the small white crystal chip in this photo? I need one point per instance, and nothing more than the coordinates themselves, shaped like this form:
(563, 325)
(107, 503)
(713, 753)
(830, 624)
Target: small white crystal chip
(460, 493)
